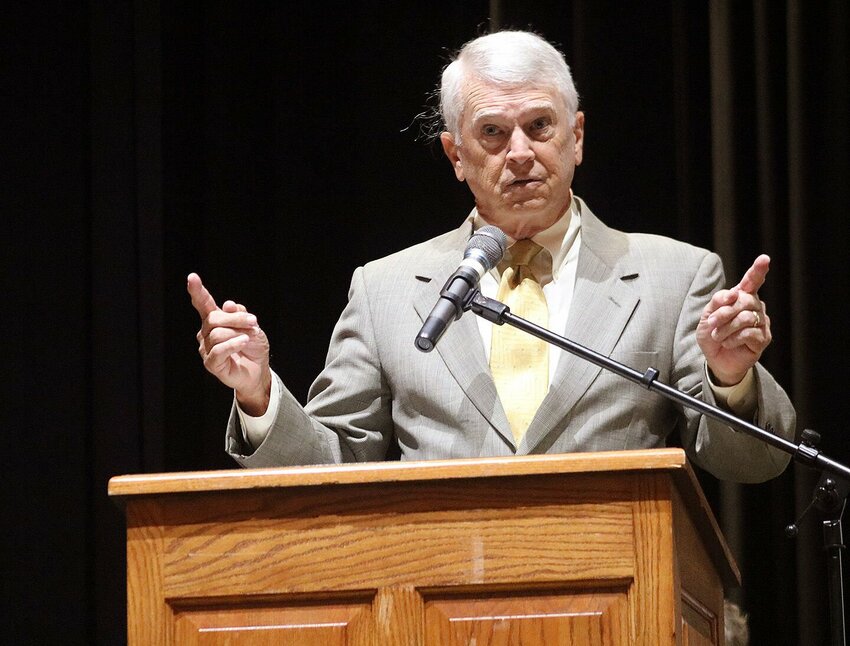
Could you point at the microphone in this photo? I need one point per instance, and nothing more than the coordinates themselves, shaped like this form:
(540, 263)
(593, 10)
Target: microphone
(483, 252)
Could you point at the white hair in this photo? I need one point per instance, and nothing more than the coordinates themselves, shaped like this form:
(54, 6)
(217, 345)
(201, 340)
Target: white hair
(509, 59)
(737, 630)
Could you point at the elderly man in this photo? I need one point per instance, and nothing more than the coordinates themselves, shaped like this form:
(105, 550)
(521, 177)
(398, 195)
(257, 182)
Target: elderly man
(515, 136)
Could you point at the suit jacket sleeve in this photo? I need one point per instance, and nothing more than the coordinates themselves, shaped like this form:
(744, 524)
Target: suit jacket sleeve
(714, 446)
(348, 417)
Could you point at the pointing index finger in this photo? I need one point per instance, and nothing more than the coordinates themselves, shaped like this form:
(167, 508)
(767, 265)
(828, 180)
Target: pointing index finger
(202, 300)
(754, 278)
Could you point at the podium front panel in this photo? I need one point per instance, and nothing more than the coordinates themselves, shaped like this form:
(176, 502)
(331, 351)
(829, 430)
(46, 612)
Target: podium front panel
(535, 558)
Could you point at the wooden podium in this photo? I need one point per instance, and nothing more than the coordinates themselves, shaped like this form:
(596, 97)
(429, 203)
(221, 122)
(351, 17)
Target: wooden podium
(589, 548)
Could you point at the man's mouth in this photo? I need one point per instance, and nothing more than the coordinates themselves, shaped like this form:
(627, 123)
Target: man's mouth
(523, 182)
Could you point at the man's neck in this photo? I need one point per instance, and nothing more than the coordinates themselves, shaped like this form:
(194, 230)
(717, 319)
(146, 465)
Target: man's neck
(519, 228)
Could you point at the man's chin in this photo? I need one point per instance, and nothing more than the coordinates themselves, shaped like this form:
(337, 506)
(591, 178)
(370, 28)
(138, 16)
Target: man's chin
(528, 207)
(523, 222)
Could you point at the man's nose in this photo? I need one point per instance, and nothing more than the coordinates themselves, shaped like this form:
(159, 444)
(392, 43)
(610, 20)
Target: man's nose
(519, 150)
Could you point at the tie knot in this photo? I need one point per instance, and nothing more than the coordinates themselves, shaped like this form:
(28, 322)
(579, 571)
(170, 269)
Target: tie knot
(522, 252)
(526, 253)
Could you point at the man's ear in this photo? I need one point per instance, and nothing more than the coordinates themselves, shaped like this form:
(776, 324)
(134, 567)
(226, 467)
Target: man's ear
(452, 152)
(578, 132)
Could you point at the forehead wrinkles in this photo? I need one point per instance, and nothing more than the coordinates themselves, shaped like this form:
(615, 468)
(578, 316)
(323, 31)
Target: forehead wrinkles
(485, 100)
(494, 112)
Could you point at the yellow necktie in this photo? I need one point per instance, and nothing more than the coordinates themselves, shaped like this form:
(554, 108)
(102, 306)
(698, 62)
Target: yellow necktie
(520, 362)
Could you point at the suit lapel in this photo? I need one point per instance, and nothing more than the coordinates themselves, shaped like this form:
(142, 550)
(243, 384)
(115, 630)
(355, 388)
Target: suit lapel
(602, 305)
(461, 348)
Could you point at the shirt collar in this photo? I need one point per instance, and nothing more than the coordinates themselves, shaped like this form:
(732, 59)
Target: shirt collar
(557, 239)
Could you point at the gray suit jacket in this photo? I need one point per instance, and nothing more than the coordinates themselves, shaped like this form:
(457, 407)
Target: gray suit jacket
(637, 299)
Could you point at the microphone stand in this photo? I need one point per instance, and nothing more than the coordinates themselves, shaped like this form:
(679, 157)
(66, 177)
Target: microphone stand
(832, 491)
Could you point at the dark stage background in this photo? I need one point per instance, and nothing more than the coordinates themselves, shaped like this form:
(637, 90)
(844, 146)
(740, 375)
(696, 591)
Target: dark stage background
(272, 148)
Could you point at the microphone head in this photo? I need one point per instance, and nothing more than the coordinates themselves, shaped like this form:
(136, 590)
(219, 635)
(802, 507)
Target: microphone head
(488, 244)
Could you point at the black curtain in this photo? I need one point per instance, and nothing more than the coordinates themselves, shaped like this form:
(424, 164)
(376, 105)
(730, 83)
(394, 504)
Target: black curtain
(273, 148)
(780, 162)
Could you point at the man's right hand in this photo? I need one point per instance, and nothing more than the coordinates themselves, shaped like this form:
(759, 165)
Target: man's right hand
(233, 348)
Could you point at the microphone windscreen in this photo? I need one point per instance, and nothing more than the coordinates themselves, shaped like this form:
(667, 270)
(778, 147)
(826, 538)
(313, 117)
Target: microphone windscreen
(491, 241)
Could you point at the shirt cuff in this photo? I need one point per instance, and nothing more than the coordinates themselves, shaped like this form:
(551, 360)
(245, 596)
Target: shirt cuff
(741, 399)
(255, 429)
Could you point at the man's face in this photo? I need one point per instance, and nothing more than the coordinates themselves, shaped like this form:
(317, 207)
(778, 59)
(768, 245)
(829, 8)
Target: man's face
(518, 153)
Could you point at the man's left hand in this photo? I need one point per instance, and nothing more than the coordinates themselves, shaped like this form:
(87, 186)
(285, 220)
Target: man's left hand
(734, 328)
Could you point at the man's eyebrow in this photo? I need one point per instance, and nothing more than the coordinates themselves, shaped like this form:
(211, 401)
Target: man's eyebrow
(538, 106)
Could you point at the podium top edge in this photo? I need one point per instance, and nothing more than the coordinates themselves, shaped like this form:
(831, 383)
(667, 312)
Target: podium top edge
(668, 459)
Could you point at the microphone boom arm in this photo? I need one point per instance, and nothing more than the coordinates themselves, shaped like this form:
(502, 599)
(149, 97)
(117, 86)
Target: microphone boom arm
(499, 313)
(830, 497)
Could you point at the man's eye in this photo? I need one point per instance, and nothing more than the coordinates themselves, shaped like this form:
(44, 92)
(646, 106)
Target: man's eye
(490, 131)
(539, 124)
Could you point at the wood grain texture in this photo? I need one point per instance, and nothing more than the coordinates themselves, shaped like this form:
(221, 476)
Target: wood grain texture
(149, 618)
(573, 616)
(700, 624)
(375, 472)
(331, 540)
(701, 587)
(399, 613)
(691, 498)
(654, 619)
(557, 549)
(329, 623)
